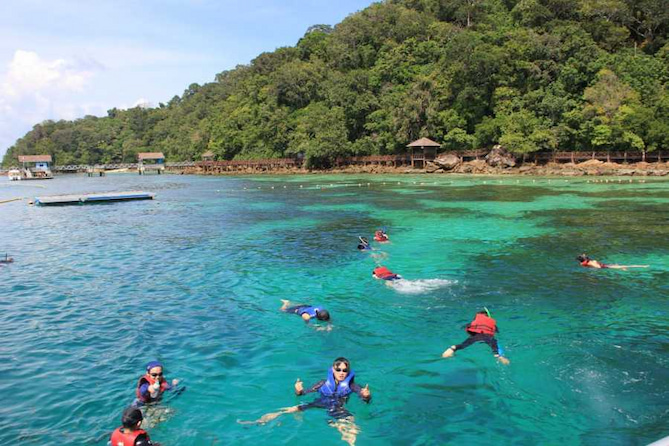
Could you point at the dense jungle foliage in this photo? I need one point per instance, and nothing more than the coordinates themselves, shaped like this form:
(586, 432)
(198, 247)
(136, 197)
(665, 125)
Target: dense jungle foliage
(528, 74)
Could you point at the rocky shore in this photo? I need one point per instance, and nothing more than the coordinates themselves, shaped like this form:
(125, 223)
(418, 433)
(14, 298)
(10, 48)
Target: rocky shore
(497, 162)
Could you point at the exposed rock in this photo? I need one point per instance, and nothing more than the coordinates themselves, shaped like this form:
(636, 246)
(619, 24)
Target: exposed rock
(571, 173)
(658, 173)
(626, 172)
(500, 157)
(431, 167)
(591, 163)
(447, 162)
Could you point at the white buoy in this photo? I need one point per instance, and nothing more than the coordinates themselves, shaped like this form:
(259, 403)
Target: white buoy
(300, 186)
(272, 187)
(284, 187)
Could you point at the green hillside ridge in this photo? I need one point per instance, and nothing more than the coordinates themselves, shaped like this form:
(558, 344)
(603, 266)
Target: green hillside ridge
(528, 74)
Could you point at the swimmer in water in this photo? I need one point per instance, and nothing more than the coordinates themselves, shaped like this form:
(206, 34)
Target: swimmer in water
(383, 273)
(131, 433)
(334, 392)
(7, 259)
(482, 329)
(381, 236)
(308, 313)
(587, 262)
(152, 385)
(363, 244)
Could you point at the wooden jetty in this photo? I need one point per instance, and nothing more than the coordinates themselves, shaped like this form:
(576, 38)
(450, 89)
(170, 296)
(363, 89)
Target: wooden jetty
(104, 197)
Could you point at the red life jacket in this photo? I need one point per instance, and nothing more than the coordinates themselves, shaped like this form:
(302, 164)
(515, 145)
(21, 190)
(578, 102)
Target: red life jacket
(483, 324)
(585, 263)
(379, 236)
(120, 438)
(382, 272)
(148, 378)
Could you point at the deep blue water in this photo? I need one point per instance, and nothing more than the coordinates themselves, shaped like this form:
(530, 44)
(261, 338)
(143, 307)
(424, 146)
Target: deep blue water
(195, 277)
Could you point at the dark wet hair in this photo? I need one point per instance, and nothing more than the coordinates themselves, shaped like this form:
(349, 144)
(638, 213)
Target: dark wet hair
(341, 360)
(322, 315)
(131, 416)
(583, 258)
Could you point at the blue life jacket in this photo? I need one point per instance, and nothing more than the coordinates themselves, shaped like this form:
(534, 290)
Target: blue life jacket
(330, 388)
(311, 311)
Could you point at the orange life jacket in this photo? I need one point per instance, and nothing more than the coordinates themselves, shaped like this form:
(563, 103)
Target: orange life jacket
(483, 324)
(120, 438)
(382, 272)
(164, 385)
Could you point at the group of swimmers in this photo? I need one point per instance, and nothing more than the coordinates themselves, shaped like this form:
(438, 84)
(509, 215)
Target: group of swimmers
(334, 390)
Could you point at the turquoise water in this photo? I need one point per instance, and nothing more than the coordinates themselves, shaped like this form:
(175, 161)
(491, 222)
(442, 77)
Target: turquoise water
(195, 277)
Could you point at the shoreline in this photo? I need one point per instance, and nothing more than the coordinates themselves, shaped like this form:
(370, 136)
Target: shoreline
(476, 167)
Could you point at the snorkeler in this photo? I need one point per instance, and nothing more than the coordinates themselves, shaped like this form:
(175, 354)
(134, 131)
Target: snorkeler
(131, 433)
(481, 329)
(152, 385)
(306, 312)
(7, 259)
(381, 272)
(381, 236)
(333, 394)
(363, 244)
(587, 262)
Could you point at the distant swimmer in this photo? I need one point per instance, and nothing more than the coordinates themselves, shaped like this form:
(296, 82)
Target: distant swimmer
(587, 262)
(131, 433)
(334, 392)
(481, 329)
(363, 244)
(7, 259)
(152, 385)
(384, 273)
(306, 312)
(381, 236)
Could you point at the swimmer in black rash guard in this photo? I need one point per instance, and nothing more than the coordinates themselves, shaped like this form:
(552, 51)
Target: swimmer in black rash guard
(333, 394)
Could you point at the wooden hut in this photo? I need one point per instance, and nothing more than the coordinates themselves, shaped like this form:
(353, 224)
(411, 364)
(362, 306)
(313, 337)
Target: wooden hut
(422, 151)
(35, 167)
(208, 156)
(150, 162)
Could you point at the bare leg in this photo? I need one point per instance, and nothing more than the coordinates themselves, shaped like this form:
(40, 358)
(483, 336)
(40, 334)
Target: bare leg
(286, 304)
(271, 416)
(348, 429)
(624, 267)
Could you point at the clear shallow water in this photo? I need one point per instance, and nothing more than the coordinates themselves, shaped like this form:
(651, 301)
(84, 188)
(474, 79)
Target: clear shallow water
(195, 279)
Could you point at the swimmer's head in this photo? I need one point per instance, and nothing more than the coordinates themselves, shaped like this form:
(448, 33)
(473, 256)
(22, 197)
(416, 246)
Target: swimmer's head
(341, 368)
(153, 364)
(583, 258)
(131, 418)
(322, 315)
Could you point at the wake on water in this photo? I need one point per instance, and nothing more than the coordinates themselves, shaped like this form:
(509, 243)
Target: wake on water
(419, 286)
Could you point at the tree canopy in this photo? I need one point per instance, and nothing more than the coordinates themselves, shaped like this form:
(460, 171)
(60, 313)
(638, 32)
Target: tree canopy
(528, 74)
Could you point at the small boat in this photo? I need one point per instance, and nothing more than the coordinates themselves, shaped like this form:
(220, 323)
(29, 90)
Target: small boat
(14, 175)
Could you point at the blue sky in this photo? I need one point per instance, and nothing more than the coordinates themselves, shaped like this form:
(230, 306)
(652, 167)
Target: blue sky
(63, 59)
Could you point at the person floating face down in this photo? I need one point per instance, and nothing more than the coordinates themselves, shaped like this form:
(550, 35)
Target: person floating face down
(482, 329)
(587, 262)
(131, 433)
(363, 244)
(152, 385)
(381, 236)
(306, 312)
(383, 273)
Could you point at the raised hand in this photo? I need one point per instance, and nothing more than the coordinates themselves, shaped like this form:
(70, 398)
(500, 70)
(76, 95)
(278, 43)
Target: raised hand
(364, 392)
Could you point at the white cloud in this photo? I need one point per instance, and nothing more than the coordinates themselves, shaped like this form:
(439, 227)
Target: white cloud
(29, 73)
(33, 89)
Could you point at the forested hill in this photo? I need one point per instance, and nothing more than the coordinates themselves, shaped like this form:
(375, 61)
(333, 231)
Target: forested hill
(529, 74)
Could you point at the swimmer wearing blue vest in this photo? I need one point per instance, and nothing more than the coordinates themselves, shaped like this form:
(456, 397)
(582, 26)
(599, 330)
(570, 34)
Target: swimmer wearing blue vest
(307, 313)
(333, 394)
